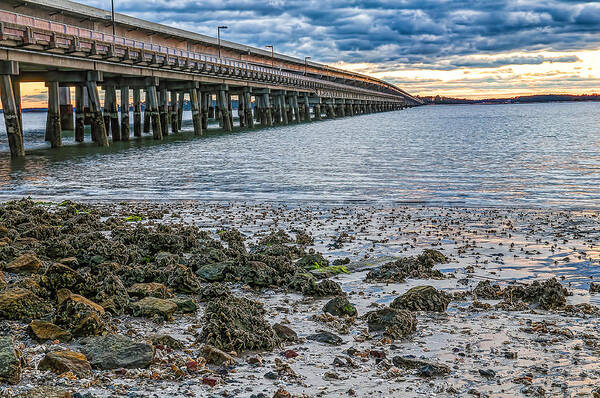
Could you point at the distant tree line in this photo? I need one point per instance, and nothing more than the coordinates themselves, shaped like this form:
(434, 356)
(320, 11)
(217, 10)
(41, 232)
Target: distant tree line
(513, 100)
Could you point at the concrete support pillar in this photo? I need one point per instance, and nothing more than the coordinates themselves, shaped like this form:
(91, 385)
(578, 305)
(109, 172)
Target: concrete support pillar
(306, 108)
(110, 110)
(296, 108)
(317, 111)
(350, 109)
(230, 108)
(248, 109)
(283, 109)
(258, 112)
(53, 122)
(147, 112)
(211, 107)
(164, 112)
(66, 109)
(341, 111)
(137, 113)
(241, 109)
(79, 114)
(223, 105)
(196, 111)
(125, 129)
(330, 110)
(14, 129)
(98, 127)
(174, 111)
(181, 99)
(276, 109)
(154, 112)
(206, 98)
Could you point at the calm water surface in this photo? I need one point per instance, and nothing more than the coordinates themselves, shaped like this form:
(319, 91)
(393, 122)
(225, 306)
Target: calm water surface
(535, 155)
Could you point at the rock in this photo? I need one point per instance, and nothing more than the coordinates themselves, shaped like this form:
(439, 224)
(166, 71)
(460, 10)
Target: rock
(489, 373)
(151, 289)
(594, 288)
(2, 280)
(42, 331)
(486, 291)
(339, 306)
(17, 304)
(214, 272)
(46, 392)
(81, 316)
(424, 368)
(548, 294)
(258, 274)
(215, 356)
(10, 364)
(271, 375)
(420, 267)
(393, 323)
(166, 341)
(115, 351)
(422, 298)
(184, 305)
(66, 361)
(24, 264)
(152, 306)
(237, 324)
(325, 337)
(285, 333)
(214, 290)
(282, 393)
(289, 354)
(312, 261)
(59, 276)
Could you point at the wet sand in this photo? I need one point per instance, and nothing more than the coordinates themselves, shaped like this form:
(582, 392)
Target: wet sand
(490, 352)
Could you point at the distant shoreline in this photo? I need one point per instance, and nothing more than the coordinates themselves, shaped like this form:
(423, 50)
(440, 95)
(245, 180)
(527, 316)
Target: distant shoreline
(526, 99)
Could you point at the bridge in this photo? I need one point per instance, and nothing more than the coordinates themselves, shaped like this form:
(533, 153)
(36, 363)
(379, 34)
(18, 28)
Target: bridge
(151, 69)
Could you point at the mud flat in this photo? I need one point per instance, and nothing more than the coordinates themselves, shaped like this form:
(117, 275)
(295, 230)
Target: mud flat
(189, 299)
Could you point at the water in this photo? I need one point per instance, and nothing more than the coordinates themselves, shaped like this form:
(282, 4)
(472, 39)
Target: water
(531, 155)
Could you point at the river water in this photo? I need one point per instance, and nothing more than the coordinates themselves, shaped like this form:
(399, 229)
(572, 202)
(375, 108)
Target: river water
(526, 155)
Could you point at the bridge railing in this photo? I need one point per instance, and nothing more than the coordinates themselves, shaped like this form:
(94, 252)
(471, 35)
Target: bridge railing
(108, 39)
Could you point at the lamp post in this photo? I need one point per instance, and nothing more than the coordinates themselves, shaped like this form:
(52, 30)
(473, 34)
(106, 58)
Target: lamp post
(272, 55)
(112, 17)
(219, 37)
(305, 64)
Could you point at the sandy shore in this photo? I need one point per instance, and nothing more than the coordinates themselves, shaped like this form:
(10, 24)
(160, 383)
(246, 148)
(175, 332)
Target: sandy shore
(471, 348)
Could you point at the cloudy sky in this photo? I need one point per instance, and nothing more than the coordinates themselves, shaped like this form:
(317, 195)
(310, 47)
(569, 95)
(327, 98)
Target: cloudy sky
(474, 49)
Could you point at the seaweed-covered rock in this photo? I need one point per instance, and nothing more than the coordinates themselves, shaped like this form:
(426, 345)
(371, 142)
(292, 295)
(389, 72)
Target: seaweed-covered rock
(312, 261)
(10, 364)
(391, 322)
(419, 267)
(548, 294)
(59, 276)
(424, 368)
(258, 274)
(24, 264)
(340, 306)
(46, 392)
(66, 361)
(17, 303)
(307, 284)
(112, 294)
(153, 306)
(184, 304)
(116, 351)
(81, 316)
(213, 291)
(422, 298)
(237, 324)
(150, 289)
(42, 331)
(215, 356)
(215, 272)
(594, 288)
(485, 290)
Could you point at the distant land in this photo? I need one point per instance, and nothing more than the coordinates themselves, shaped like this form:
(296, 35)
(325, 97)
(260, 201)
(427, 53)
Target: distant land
(513, 100)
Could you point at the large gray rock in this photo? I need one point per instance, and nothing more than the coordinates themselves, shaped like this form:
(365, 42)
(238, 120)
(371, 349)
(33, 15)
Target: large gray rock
(116, 351)
(10, 365)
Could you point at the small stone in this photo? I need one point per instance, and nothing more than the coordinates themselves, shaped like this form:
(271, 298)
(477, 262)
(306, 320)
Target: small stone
(184, 305)
(66, 361)
(255, 360)
(282, 393)
(487, 373)
(285, 333)
(215, 356)
(210, 381)
(166, 341)
(339, 306)
(151, 306)
(271, 375)
(10, 365)
(25, 264)
(151, 289)
(325, 337)
(424, 368)
(116, 351)
(42, 331)
(290, 354)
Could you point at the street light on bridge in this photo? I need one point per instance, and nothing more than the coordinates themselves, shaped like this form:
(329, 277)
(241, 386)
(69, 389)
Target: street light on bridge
(272, 54)
(305, 64)
(219, 37)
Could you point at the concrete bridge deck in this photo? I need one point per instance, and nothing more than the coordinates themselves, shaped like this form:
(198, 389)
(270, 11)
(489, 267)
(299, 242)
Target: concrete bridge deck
(66, 44)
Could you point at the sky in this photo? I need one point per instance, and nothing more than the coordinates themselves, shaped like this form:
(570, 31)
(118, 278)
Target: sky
(468, 49)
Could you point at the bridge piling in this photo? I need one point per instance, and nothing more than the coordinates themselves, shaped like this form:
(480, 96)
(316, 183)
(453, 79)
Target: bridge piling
(174, 111)
(147, 112)
(137, 113)
(125, 128)
(248, 108)
(180, 105)
(115, 125)
(14, 129)
(205, 99)
(66, 109)
(306, 108)
(241, 110)
(79, 114)
(164, 112)
(230, 108)
(154, 113)
(53, 126)
(268, 110)
(223, 105)
(99, 133)
(296, 108)
(196, 112)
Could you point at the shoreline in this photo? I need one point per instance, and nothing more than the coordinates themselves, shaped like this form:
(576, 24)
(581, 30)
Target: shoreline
(470, 337)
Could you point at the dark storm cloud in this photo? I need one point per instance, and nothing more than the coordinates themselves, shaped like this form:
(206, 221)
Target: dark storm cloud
(399, 32)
